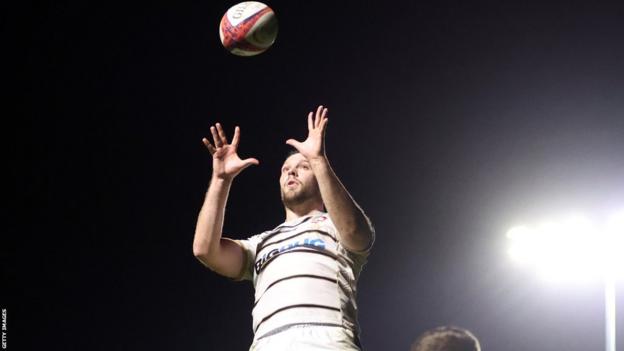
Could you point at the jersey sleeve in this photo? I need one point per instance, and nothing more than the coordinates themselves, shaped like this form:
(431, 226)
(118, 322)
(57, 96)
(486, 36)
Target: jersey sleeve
(331, 228)
(249, 246)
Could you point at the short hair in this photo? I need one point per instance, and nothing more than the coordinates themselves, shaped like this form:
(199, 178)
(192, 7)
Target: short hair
(446, 338)
(291, 152)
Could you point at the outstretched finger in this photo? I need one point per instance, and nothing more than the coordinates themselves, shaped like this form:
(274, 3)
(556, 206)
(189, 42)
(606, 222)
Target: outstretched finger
(209, 146)
(222, 134)
(324, 114)
(215, 137)
(324, 125)
(310, 123)
(236, 137)
(317, 117)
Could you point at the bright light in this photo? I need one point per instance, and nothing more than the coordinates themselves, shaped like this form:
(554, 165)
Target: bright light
(575, 249)
(615, 234)
(572, 248)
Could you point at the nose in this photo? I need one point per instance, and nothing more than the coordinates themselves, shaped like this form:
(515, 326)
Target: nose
(292, 171)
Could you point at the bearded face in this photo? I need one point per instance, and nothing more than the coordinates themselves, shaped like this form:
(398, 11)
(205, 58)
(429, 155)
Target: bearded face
(297, 182)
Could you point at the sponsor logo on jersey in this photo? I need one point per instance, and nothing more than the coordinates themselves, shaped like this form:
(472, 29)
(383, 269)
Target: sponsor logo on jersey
(317, 244)
(319, 219)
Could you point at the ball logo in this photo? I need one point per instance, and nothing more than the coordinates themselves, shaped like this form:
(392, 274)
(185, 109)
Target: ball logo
(238, 11)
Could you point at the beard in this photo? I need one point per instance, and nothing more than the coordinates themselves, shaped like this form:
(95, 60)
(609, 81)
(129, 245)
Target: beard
(292, 198)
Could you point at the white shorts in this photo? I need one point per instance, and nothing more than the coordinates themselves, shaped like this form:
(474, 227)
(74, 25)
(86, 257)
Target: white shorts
(308, 338)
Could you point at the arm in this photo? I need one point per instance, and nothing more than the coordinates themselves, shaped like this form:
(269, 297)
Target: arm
(221, 255)
(354, 228)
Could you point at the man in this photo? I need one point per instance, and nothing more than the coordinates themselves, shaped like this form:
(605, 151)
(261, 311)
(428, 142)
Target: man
(306, 269)
(446, 339)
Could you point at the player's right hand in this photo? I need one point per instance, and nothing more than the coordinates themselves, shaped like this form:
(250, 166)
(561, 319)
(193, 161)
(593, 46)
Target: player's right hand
(225, 161)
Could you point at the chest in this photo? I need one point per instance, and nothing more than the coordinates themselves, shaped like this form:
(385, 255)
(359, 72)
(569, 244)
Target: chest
(317, 236)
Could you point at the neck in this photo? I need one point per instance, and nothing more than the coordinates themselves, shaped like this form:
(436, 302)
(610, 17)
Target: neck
(301, 211)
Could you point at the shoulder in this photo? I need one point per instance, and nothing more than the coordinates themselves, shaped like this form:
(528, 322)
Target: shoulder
(324, 223)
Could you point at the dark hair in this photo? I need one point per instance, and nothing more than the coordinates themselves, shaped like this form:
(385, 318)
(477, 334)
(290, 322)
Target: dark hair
(291, 152)
(446, 338)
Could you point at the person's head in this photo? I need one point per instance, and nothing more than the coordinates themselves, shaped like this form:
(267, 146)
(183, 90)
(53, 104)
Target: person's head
(298, 186)
(446, 338)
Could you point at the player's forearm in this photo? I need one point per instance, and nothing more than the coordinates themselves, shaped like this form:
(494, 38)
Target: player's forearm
(348, 217)
(210, 220)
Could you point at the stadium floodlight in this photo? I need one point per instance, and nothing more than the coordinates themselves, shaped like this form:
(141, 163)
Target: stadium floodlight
(575, 248)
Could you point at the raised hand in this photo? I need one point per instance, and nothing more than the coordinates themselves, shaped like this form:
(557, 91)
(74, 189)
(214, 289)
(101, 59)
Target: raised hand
(314, 146)
(225, 161)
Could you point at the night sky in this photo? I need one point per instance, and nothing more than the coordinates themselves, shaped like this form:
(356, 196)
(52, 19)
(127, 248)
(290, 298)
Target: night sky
(449, 122)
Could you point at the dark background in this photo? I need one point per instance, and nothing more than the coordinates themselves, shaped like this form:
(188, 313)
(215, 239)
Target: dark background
(450, 121)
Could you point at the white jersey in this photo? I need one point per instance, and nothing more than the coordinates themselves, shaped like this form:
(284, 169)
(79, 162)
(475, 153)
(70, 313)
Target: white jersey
(302, 276)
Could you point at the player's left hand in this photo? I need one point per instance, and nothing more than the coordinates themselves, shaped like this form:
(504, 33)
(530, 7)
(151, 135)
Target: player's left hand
(314, 146)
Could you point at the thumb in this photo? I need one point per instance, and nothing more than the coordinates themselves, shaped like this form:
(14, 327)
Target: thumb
(250, 161)
(294, 143)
